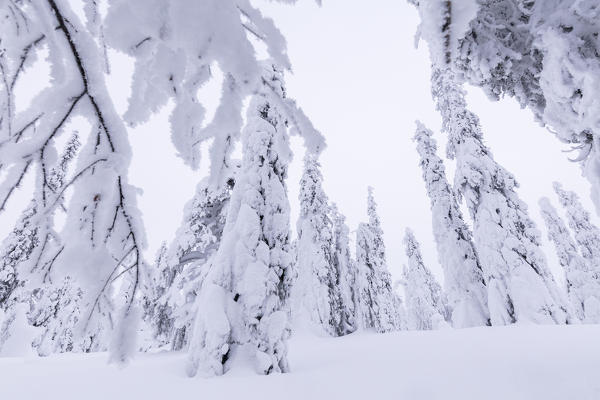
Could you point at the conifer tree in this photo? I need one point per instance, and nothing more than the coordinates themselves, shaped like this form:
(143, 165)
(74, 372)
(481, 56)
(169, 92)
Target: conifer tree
(463, 275)
(425, 302)
(519, 283)
(346, 270)
(244, 297)
(317, 293)
(180, 268)
(377, 298)
(28, 258)
(587, 235)
(583, 283)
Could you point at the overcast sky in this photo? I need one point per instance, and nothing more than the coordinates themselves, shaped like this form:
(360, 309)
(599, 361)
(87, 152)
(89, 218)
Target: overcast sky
(358, 76)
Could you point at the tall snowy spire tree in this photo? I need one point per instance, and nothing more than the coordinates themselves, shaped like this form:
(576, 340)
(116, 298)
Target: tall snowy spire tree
(377, 298)
(317, 292)
(346, 270)
(520, 285)
(426, 307)
(243, 301)
(583, 283)
(587, 235)
(463, 275)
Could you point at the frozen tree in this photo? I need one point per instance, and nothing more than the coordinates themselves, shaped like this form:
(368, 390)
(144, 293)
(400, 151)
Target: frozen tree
(463, 275)
(317, 295)
(55, 309)
(519, 283)
(543, 53)
(587, 235)
(426, 307)
(181, 267)
(346, 269)
(583, 282)
(377, 298)
(243, 301)
(28, 258)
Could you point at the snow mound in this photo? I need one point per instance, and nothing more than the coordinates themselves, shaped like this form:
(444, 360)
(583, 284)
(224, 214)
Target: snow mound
(513, 362)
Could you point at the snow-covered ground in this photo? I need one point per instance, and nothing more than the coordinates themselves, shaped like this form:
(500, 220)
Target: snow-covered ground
(524, 362)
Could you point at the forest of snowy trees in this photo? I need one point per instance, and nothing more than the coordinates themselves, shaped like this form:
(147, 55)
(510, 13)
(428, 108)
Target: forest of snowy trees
(240, 276)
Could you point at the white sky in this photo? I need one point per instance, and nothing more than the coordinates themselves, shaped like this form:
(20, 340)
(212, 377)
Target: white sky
(359, 78)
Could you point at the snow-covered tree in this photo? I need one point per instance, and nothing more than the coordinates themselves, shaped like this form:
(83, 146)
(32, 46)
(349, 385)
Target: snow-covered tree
(180, 268)
(520, 286)
(316, 294)
(346, 269)
(28, 258)
(377, 298)
(543, 53)
(463, 275)
(587, 235)
(426, 306)
(583, 282)
(243, 300)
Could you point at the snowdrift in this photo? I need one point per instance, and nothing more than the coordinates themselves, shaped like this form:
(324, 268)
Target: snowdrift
(515, 362)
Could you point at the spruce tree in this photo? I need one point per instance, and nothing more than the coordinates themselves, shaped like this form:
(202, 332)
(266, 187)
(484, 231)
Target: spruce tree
(346, 270)
(583, 283)
(519, 283)
(317, 293)
(463, 275)
(426, 306)
(377, 298)
(587, 235)
(244, 297)
(170, 294)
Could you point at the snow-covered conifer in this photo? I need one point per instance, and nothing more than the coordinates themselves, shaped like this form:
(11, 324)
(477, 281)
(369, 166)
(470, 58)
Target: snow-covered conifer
(463, 275)
(377, 298)
(426, 307)
(587, 235)
(316, 294)
(583, 283)
(519, 283)
(243, 300)
(180, 268)
(346, 269)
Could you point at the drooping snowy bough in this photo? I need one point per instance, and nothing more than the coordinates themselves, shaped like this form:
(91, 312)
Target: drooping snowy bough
(103, 236)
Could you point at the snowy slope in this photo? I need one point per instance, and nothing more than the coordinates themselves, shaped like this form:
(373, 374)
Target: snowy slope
(525, 362)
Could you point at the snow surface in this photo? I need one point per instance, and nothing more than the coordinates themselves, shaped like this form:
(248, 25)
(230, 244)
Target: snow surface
(513, 362)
